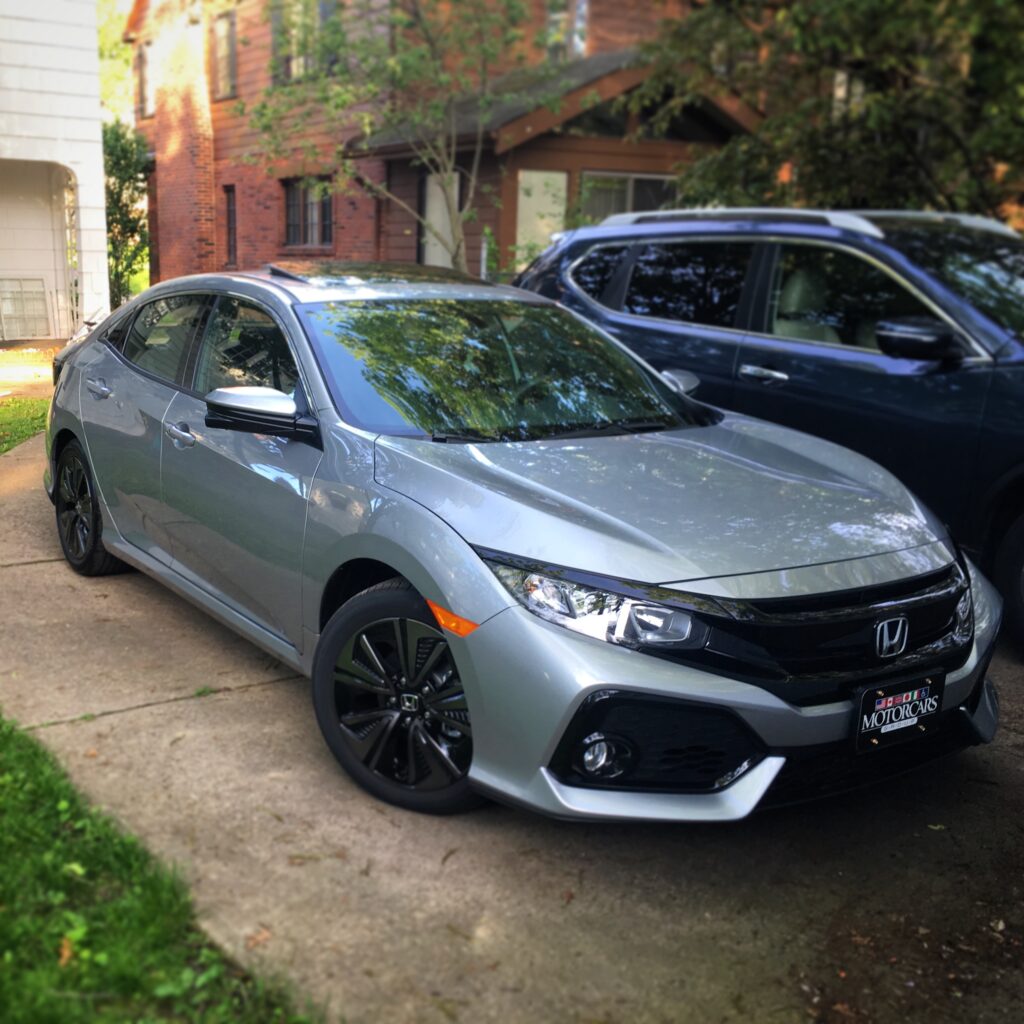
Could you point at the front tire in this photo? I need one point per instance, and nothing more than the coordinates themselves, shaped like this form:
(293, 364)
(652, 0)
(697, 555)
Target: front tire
(79, 521)
(390, 703)
(1008, 576)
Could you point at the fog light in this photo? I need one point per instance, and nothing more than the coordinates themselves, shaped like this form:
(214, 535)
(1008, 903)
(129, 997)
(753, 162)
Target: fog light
(602, 757)
(596, 756)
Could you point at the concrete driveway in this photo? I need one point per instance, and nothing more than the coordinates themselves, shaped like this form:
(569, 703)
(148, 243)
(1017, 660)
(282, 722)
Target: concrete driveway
(900, 903)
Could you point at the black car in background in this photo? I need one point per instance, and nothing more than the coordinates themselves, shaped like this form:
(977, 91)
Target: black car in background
(897, 334)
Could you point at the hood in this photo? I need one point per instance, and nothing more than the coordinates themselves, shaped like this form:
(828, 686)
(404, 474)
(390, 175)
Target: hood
(739, 497)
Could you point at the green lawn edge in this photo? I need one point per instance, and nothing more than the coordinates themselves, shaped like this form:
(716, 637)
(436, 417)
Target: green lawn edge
(92, 928)
(20, 418)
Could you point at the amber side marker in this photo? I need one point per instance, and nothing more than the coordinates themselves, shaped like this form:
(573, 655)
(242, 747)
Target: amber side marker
(453, 623)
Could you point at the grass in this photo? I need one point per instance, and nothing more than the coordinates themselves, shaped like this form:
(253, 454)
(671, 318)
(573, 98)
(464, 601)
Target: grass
(92, 929)
(20, 418)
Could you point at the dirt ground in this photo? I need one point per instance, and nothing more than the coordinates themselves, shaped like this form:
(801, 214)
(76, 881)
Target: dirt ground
(901, 903)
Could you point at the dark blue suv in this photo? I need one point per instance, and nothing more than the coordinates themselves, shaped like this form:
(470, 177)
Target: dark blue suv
(898, 334)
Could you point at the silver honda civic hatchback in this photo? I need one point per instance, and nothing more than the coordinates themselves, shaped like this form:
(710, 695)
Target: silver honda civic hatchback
(515, 560)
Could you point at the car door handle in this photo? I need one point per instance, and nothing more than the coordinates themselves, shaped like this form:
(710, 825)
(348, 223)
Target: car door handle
(763, 374)
(180, 435)
(98, 388)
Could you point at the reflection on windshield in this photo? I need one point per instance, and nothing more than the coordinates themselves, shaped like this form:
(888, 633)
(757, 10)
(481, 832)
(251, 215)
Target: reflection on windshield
(481, 370)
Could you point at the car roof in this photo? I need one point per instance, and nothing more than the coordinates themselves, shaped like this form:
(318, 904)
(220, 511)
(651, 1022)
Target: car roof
(869, 223)
(306, 281)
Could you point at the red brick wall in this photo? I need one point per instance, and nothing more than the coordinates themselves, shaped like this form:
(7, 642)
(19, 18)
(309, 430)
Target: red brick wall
(201, 145)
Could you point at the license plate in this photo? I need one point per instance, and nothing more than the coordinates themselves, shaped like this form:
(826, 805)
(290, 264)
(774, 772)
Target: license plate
(898, 711)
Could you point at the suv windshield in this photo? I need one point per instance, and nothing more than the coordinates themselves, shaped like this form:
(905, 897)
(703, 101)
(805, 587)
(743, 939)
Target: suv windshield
(985, 268)
(488, 370)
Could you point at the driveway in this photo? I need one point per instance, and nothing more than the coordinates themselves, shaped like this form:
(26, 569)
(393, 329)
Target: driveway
(900, 903)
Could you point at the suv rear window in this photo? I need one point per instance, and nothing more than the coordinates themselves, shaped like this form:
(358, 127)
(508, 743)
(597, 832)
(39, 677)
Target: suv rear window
(594, 272)
(693, 282)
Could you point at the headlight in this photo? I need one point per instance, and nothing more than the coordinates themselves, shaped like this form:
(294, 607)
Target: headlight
(603, 614)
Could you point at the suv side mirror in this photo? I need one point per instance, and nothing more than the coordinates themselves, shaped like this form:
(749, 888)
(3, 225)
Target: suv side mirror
(918, 337)
(258, 410)
(683, 382)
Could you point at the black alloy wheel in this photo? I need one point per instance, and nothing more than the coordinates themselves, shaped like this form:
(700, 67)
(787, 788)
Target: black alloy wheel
(390, 702)
(79, 521)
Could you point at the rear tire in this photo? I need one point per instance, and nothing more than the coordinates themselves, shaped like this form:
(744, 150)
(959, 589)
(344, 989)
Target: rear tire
(390, 704)
(1008, 574)
(79, 520)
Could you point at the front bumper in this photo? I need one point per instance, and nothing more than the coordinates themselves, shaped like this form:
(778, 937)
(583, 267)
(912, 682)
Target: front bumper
(526, 681)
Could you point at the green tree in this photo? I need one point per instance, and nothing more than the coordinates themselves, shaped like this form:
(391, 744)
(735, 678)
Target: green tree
(115, 59)
(125, 164)
(873, 103)
(422, 77)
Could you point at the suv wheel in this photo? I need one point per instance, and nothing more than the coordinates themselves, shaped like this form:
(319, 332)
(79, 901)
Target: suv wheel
(390, 703)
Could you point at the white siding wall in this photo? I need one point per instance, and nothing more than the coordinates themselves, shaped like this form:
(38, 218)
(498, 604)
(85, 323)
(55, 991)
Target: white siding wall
(50, 115)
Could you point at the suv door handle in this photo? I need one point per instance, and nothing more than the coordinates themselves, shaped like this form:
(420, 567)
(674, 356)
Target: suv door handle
(98, 388)
(180, 435)
(763, 374)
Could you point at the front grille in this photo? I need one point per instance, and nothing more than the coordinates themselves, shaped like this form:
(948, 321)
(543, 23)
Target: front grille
(814, 649)
(672, 745)
(814, 772)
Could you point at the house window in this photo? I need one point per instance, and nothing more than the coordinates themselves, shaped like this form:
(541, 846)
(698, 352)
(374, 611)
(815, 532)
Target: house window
(601, 195)
(308, 213)
(232, 236)
(295, 31)
(144, 81)
(23, 309)
(224, 70)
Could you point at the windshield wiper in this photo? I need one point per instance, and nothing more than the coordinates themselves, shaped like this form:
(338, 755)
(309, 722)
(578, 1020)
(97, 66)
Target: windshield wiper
(617, 426)
(464, 438)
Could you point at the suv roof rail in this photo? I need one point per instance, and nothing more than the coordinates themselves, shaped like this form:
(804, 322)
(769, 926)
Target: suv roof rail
(967, 220)
(837, 218)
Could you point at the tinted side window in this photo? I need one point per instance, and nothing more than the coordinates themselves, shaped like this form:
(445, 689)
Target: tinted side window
(161, 334)
(244, 346)
(118, 331)
(597, 268)
(694, 282)
(828, 295)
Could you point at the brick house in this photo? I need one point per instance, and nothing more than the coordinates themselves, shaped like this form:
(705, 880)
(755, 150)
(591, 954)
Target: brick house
(211, 210)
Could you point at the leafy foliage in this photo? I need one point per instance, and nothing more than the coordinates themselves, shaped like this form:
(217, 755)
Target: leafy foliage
(878, 103)
(424, 76)
(125, 162)
(91, 929)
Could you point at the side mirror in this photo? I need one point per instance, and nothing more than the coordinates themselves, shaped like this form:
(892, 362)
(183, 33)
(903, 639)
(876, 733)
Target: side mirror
(258, 410)
(683, 382)
(918, 337)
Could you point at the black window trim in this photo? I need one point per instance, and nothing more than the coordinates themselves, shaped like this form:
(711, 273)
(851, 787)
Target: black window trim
(176, 384)
(615, 290)
(771, 246)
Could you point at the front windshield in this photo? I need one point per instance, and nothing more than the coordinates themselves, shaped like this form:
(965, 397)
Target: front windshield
(489, 370)
(985, 268)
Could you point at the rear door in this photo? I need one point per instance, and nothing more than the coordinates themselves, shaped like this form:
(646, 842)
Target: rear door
(816, 366)
(236, 500)
(678, 303)
(127, 383)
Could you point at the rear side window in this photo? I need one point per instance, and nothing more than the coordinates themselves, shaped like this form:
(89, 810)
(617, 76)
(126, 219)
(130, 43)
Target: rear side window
(162, 333)
(693, 282)
(595, 271)
(244, 347)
